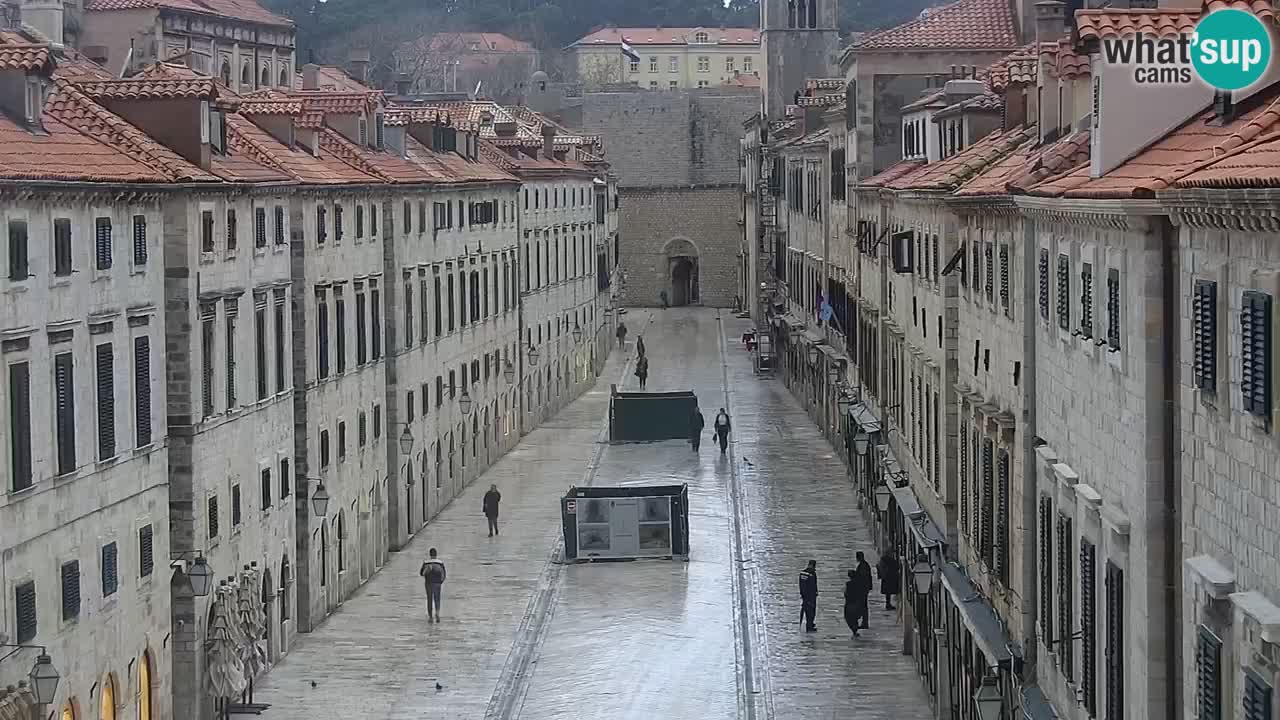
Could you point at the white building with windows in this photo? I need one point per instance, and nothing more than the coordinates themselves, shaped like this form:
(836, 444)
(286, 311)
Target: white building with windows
(670, 58)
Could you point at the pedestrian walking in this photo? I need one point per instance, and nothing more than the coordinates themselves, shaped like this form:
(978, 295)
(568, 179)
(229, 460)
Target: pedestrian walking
(851, 609)
(642, 370)
(696, 423)
(491, 500)
(809, 595)
(639, 346)
(861, 587)
(622, 334)
(663, 297)
(721, 426)
(433, 574)
(890, 572)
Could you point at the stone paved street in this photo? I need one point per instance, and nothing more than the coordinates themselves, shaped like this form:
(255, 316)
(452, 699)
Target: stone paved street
(524, 637)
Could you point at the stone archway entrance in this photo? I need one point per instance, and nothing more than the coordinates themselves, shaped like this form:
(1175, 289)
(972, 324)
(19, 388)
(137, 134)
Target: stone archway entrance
(682, 273)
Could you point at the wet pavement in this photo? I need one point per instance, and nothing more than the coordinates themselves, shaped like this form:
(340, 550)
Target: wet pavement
(524, 636)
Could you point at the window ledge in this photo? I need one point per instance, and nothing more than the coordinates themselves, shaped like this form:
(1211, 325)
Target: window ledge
(60, 281)
(206, 258)
(260, 251)
(116, 459)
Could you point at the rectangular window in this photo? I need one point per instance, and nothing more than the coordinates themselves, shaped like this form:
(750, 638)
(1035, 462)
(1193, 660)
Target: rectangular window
(25, 611)
(1088, 628)
(259, 227)
(408, 314)
(422, 216)
(71, 590)
(338, 226)
(237, 515)
(102, 243)
(340, 330)
(104, 359)
(284, 478)
(1113, 309)
(1002, 517)
(704, 64)
(1204, 335)
(280, 341)
(375, 321)
(322, 332)
(146, 551)
(110, 569)
(436, 309)
(964, 478)
(653, 64)
(1045, 542)
(233, 232)
(324, 448)
(1042, 271)
(207, 321)
(1257, 697)
(322, 232)
(279, 228)
(212, 513)
(62, 264)
(452, 299)
(232, 312)
(206, 231)
(1004, 276)
(362, 327)
(1086, 300)
(424, 318)
(20, 425)
(139, 240)
(1255, 353)
(65, 412)
(1066, 617)
(377, 421)
(988, 251)
(373, 212)
(19, 269)
(260, 346)
(362, 429)
(359, 221)
(986, 532)
(406, 218)
(1208, 675)
(142, 389)
(342, 441)
(1064, 291)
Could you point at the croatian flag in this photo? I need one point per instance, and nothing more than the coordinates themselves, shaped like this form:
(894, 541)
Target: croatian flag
(631, 54)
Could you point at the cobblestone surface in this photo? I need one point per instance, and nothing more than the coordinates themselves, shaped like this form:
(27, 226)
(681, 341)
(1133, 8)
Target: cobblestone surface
(652, 639)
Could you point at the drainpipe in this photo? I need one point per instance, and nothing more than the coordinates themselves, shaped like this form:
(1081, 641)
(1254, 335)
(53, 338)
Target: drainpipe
(1172, 364)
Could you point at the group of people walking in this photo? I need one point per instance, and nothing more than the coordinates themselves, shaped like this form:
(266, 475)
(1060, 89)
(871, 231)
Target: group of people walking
(720, 425)
(856, 591)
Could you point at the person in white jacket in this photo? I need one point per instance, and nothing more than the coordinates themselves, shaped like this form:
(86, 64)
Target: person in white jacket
(433, 574)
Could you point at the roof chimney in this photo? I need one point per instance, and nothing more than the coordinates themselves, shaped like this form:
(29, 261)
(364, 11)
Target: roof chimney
(548, 141)
(1051, 22)
(310, 76)
(403, 84)
(359, 61)
(45, 16)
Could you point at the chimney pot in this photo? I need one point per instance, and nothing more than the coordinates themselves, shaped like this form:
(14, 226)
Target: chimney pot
(310, 76)
(46, 16)
(1050, 20)
(548, 142)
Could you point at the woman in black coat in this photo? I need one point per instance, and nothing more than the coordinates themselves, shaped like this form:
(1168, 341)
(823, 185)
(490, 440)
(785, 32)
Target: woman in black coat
(890, 572)
(853, 601)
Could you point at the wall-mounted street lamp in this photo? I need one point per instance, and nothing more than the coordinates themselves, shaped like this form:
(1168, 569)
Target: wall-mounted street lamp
(320, 501)
(509, 372)
(577, 332)
(465, 402)
(922, 574)
(882, 502)
(406, 440)
(814, 353)
(44, 677)
(197, 571)
(843, 403)
(533, 354)
(989, 699)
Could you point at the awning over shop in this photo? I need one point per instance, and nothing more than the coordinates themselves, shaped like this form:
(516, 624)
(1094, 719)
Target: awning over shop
(864, 418)
(906, 499)
(1035, 706)
(927, 532)
(978, 616)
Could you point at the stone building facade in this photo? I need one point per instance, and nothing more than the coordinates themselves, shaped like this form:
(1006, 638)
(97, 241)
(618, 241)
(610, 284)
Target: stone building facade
(799, 40)
(669, 58)
(692, 257)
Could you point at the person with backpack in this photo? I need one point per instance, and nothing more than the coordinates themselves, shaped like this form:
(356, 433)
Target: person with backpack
(722, 427)
(490, 507)
(642, 370)
(433, 574)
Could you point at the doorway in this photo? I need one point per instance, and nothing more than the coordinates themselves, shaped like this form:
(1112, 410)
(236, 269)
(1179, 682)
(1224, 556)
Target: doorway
(684, 281)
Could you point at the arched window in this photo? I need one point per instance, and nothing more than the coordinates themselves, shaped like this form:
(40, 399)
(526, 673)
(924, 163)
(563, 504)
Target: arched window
(226, 73)
(107, 707)
(701, 37)
(144, 686)
(265, 77)
(246, 75)
(801, 13)
(284, 78)
(791, 13)
(813, 13)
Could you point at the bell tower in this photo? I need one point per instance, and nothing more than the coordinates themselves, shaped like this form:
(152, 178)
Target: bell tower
(799, 40)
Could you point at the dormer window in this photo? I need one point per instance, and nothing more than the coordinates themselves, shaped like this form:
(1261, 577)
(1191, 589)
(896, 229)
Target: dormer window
(213, 128)
(364, 132)
(379, 131)
(701, 37)
(34, 101)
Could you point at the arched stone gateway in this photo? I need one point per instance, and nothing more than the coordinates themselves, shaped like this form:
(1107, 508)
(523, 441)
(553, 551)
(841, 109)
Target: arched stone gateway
(682, 272)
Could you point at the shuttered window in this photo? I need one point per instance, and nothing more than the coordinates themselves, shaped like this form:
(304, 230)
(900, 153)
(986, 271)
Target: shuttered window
(359, 221)
(279, 228)
(987, 530)
(362, 324)
(260, 345)
(1115, 642)
(70, 590)
(102, 252)
(1045, 540)
(1004, 276)
(206, 231)
(1113, 309)
(259, 227)
(213, 519)
(237, 509)
(977, 265)
(233, 231)
(20, 425)
(408, 313)
(207, 321)
(1064, 292)
(19, 265)
(375, 321)
(322, 233)
(1086, 300)
(1204, 335)
(284, 478)
(975, 506)
(989, 287)
(1042, 272)
(142, 389)
(338, 228)
(232, 312)
(1002, 517)
(324, 448)
(373, 209)
(105, 365)
(1088, 627)
(280, 341)
(265, 488)
(139, 240)
(1255, 353)
(936, 249)
(110, 569)
(65, 412)
(62, 264)
(24, 606)
(964, 479)
(1208, 675)
(322, 332)
(146, 551)
(424, 318)
(1066, 619)
(1257, 697)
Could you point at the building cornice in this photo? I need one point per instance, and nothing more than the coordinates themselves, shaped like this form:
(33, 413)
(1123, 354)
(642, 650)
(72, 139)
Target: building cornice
(983, 205)
(1118, 214)
(1240, 209)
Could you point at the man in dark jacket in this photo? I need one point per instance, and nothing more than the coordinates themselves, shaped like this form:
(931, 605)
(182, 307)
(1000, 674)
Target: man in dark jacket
(642, 370)
(491, 500)
(721, 426)
(696, 423)
(862, 585)
(890, 572)
(809, 595)
(622, 335)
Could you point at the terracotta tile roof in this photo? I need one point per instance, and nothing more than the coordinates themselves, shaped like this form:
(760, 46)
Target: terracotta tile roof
(148, 89)
(967, 24)
(1018, 66)
(334, 79)
(321, 169)
(670, 36)
(892, 173)
(335, 103)
(949, 173)
(384, 165)
(74, 108)
(1028, 164)
(240, 167)
(74, 65)
(451, 167)
(984, 103)
(993, 181)
(253, 106)
(401, 116)
(63, 153)
(1064, 62)
(1059, 158)
(1196, 144)
(245, 10)
(19, 53)
(1098, 24)
(1256, 165)
(310, 120)
(1264, 9)
(746, 81)
(937, 97)
(484, 42)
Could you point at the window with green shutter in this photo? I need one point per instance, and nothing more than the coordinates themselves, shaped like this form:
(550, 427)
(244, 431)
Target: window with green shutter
(1088, 627)
(102, 243)
(987, 529)
(1115, 642)
(1004, 276)
(989, 287)
(213, 520)
(24, 606)
(1113, 309)
(70, 590)
(1208, 675)
(1002, 517)
(1204, 335)
(1086, 300)
(1255, 353)
(142, 389)
(110, 569)
(1042, 271)
(139, 240)
(1064, 291)
(19, 263)
(964, 479)
(20, 426)
(105, 364)
(1257, 697)
(1045, 539)
(64, 412)
(1066, 615)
